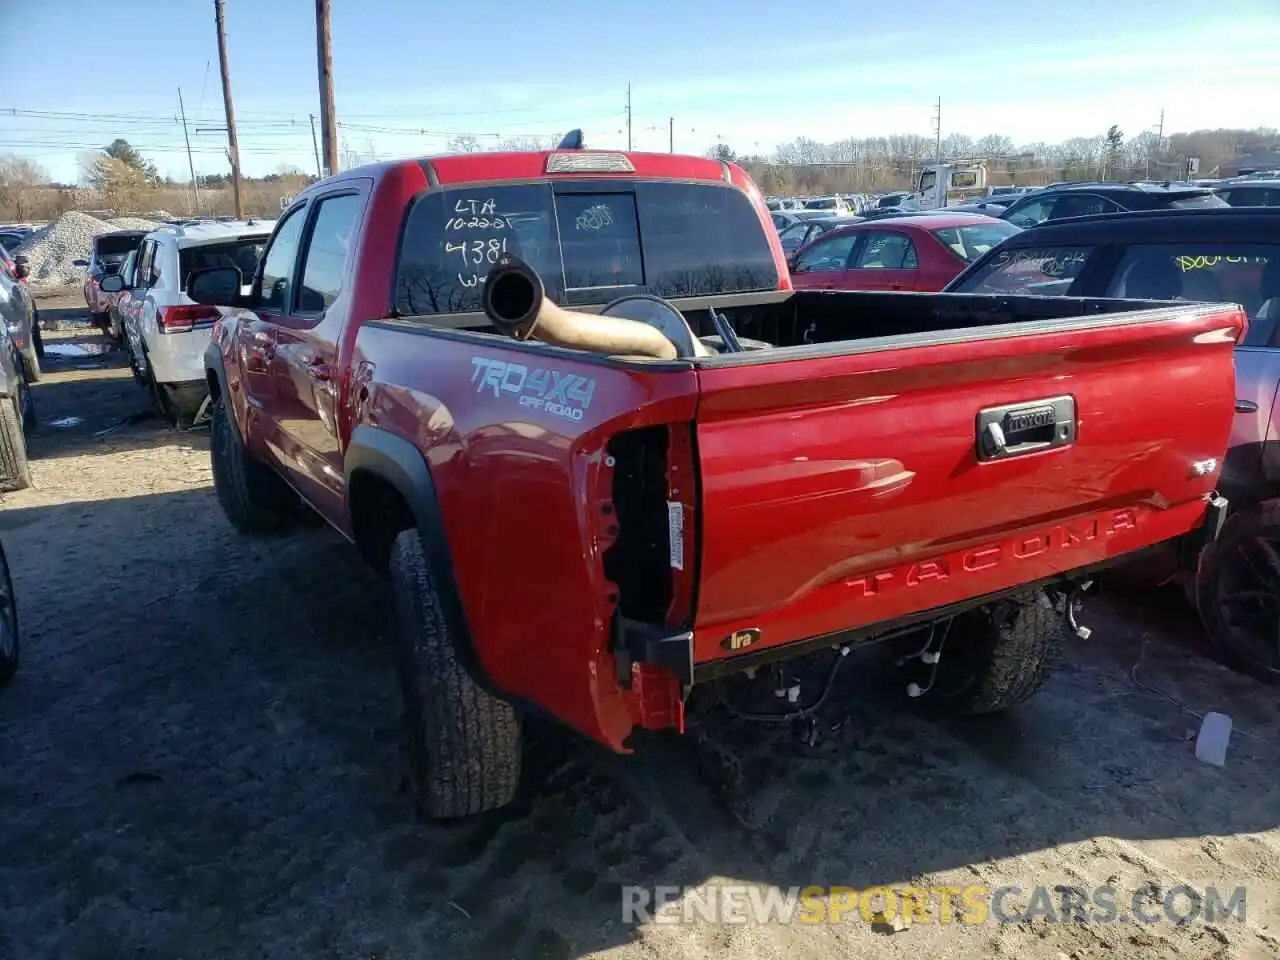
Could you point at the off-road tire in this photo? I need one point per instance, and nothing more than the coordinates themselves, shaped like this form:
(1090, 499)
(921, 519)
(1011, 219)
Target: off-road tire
(31, 371)
(252, 495)
(15, 474)
(1249, 522)
(993, 661)
(463, 742)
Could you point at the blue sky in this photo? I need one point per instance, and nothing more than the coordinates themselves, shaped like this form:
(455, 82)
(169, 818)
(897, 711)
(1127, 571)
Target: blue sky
(409, 74)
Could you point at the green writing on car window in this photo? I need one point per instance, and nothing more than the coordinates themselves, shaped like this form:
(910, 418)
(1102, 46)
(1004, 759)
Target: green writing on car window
(1189, 263)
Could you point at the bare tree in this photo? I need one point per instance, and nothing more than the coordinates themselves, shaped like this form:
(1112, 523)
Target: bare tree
(20, 181)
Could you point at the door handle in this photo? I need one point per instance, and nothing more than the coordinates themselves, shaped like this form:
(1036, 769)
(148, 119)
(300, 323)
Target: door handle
(1246, 406)
(1016, 429)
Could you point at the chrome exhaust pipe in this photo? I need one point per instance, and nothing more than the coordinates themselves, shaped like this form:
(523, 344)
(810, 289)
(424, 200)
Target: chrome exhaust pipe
(516, 303)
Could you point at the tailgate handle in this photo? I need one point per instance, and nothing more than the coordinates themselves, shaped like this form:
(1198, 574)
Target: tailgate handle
(1016, 429)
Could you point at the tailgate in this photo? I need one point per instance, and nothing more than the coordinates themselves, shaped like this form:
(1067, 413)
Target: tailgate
(849, 488)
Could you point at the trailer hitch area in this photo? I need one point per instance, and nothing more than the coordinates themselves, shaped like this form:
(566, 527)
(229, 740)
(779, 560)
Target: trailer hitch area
(930, 655)
(1071, 609)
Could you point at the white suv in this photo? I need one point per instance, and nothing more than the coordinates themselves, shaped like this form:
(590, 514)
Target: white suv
(166, 332)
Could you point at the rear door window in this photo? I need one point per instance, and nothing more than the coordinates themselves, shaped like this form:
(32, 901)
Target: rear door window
(1247, 274)
(1044, 271)
(886, 251)
(589, 241)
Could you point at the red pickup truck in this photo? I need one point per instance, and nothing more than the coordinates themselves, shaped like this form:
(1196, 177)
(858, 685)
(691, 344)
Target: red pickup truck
(569, 404)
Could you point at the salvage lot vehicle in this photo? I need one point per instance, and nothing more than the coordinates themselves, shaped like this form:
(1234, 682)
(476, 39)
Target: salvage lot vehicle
(1225, 255)
(17, 416)
(21, 318)
(1060, 201)
(107, 256)
(922, 252)
(798, 234)
(166, 332)
(591, 512)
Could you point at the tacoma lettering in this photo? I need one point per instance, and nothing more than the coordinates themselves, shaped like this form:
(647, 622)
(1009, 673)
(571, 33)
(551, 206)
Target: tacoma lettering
(988, 556)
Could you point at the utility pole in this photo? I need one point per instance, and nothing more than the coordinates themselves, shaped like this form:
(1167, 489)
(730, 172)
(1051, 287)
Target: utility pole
(324, 54)
(191, 165)
(1159, 142)
(628, 118)
(671, 133)
(315, 146)
(937, 130)
(233, 146)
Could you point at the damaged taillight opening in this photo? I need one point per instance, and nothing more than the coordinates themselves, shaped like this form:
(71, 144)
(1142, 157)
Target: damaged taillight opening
(639, 560)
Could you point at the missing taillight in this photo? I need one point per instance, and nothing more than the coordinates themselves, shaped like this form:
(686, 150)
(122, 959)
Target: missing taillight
(639, 560)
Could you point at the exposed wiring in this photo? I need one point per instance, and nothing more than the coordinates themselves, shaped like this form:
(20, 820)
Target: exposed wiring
(788, 716)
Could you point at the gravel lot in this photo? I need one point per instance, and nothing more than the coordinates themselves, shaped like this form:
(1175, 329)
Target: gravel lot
(201, 759)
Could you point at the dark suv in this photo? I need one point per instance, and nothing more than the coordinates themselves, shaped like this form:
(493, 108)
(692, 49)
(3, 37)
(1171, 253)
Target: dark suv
(1086, 199)
(1217, 255)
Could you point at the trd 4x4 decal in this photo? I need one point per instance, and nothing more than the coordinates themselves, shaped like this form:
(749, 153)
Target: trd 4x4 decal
(565, 395)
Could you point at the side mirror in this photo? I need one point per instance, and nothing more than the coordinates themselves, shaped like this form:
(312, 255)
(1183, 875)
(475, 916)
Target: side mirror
(112, 284)
(216, 287)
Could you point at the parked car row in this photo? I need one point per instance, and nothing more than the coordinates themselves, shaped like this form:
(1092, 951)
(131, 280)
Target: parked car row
(20, 352)
(142, 302)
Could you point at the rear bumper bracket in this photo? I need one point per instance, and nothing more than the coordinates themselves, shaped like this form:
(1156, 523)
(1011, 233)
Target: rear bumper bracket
(637, 642)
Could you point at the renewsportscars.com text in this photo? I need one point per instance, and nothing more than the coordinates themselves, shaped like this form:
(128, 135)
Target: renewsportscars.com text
(974, 904)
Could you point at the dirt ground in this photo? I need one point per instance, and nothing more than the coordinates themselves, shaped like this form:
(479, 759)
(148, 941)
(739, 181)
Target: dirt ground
(200, 758)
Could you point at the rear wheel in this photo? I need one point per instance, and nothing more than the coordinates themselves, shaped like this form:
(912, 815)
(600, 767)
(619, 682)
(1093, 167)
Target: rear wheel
(464, 743)
(1237, 591)
(15, 473)
(251, 494)
(9, 646)
(998, 658)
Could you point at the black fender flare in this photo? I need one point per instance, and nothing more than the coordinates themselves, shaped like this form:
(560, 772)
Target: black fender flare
(396, 461)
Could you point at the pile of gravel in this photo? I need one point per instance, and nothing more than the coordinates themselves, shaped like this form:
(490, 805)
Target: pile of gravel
(51, 249)
(132, 223)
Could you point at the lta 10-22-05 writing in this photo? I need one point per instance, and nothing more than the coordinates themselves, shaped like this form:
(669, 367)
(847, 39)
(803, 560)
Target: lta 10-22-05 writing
(476, 254)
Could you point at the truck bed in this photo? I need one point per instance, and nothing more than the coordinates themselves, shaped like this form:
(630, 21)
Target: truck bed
(836, 486)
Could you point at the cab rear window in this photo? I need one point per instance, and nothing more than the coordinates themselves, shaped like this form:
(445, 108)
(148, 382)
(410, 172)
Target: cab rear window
(589, 241)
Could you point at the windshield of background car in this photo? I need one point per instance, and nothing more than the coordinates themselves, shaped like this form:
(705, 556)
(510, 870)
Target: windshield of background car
(1044, 271)
(1243, 273)
(590, 242)
(1203, 200)
(972, 241)
(242, 253)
